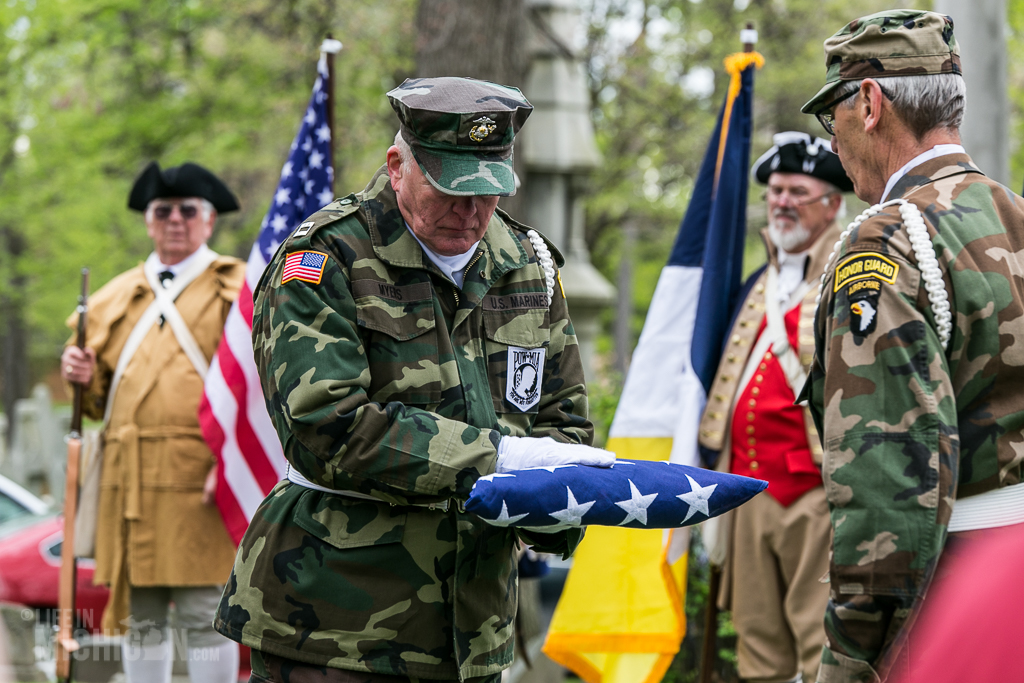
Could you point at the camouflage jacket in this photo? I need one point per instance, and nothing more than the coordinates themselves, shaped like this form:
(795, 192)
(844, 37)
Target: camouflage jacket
(907, 427)
(385, 380)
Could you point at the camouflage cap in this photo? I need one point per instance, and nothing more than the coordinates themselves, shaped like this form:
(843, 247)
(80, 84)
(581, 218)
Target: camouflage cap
(901, 42)
(461, 132)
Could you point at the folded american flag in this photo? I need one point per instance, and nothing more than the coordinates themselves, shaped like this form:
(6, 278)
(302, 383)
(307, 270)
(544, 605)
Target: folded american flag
(632, 493)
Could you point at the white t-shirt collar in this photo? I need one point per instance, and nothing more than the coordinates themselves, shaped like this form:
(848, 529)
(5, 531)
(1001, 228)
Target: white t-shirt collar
(936, 151)
(451, 266)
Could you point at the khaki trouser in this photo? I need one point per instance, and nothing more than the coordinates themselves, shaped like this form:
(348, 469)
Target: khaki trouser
(778, 557)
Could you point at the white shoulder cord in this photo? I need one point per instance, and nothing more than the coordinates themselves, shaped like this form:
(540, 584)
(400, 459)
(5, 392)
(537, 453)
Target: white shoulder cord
(547, 264)
(924, 251)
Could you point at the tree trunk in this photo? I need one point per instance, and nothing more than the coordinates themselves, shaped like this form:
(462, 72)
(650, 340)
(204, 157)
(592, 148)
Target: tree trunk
(14, 367)
(483, 39)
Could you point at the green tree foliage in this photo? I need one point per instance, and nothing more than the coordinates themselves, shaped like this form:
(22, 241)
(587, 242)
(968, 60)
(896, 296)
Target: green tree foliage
(91, 91)
(658, 82)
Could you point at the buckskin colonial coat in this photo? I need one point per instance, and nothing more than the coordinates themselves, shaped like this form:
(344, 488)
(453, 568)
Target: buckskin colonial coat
(153, 529)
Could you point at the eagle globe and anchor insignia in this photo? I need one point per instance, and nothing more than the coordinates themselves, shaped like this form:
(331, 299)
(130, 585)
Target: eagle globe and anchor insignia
(485, 126)
(523, 377)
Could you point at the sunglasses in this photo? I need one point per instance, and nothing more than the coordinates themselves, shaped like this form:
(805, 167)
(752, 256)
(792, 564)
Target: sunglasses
(796, 200)
(163, 211)
(827, 115)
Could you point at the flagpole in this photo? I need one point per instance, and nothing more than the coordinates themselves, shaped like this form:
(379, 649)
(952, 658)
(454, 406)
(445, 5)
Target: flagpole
(330, 47)
(709, 646)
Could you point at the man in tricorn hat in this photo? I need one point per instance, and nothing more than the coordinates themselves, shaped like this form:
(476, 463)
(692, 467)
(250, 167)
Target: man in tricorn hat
(398, 333)
(152, 332)
(775, 548)
(918, 388)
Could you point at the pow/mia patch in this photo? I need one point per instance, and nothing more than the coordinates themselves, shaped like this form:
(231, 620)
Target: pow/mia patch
(523, 377)
(864, 266)
(864, 308)
(305, 266)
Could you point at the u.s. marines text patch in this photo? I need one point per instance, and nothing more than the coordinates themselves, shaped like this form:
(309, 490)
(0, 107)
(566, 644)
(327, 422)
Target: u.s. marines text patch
(305, 266)
(864, 266)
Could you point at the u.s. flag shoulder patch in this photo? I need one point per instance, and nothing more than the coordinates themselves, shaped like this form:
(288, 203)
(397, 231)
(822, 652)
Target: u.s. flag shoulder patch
(305, 266)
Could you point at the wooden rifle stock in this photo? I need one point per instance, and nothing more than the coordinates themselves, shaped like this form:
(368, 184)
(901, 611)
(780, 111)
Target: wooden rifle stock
(66, 643)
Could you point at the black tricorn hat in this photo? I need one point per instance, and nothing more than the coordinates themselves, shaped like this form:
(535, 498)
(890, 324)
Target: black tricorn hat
(187, 180)
(796, 152)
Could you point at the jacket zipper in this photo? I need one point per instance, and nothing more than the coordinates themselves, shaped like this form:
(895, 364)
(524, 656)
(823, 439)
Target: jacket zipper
(455, 290)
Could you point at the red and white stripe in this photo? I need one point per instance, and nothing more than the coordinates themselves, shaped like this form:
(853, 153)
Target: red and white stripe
(233, 415)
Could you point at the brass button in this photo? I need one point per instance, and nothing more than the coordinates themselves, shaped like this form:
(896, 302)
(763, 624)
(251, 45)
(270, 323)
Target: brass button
(754, 465)
(755, 391)
(763, 366)
(751, 403)
(746, 323)
(768, 356)
(731, 357)
(735, 339)
(751, 304)
(750, 417)
(751, 452)
(759, 378)
(719, 398)
(759, 288)
(726, 378)
(750, 429)
(751, 441)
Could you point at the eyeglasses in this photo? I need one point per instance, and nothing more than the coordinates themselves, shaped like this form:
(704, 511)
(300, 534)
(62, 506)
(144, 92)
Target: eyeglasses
(827, 115)
(796, 201)
(188, 211)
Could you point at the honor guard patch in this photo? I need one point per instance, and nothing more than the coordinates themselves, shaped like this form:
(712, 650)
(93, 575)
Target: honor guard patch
(305, 266)
(523, 377)
(864, 266)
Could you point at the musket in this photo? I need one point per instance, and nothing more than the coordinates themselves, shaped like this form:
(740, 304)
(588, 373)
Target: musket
(709, 645)
(66, 643)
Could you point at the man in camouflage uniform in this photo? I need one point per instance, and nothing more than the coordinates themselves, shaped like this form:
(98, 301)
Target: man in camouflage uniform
(410, 339)
(774, 549)
(918, 388)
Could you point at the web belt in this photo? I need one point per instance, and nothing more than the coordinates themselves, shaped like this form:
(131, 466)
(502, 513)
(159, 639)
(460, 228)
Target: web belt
(295, 477)
(989, 510)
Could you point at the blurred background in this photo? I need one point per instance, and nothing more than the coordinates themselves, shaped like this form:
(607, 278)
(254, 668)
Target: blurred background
(627, 92)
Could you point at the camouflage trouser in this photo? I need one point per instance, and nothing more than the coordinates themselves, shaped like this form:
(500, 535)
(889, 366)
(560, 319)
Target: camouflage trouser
(267, 668)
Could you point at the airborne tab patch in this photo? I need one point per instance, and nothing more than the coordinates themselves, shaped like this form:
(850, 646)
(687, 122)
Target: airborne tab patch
(305, 266)
(863, 266)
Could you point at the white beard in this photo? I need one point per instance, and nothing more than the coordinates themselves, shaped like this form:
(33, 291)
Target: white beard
(788, 240)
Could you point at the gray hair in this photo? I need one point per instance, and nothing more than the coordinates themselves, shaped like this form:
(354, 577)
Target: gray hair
(205, 208)
(923, 103)
(831, 189)
(404, 151)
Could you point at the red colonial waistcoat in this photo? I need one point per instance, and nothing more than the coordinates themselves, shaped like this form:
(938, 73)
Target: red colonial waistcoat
(768, 433)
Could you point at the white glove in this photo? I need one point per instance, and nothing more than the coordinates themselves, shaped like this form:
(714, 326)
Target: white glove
(519, 453)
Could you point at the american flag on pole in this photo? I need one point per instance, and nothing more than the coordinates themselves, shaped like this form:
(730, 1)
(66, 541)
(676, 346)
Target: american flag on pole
(232, 413)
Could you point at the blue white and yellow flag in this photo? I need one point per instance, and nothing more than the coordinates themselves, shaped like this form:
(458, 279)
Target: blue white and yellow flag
(621, 617)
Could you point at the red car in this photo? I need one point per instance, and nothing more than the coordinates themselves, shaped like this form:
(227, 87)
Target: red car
(30, 569)
(30, 546)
